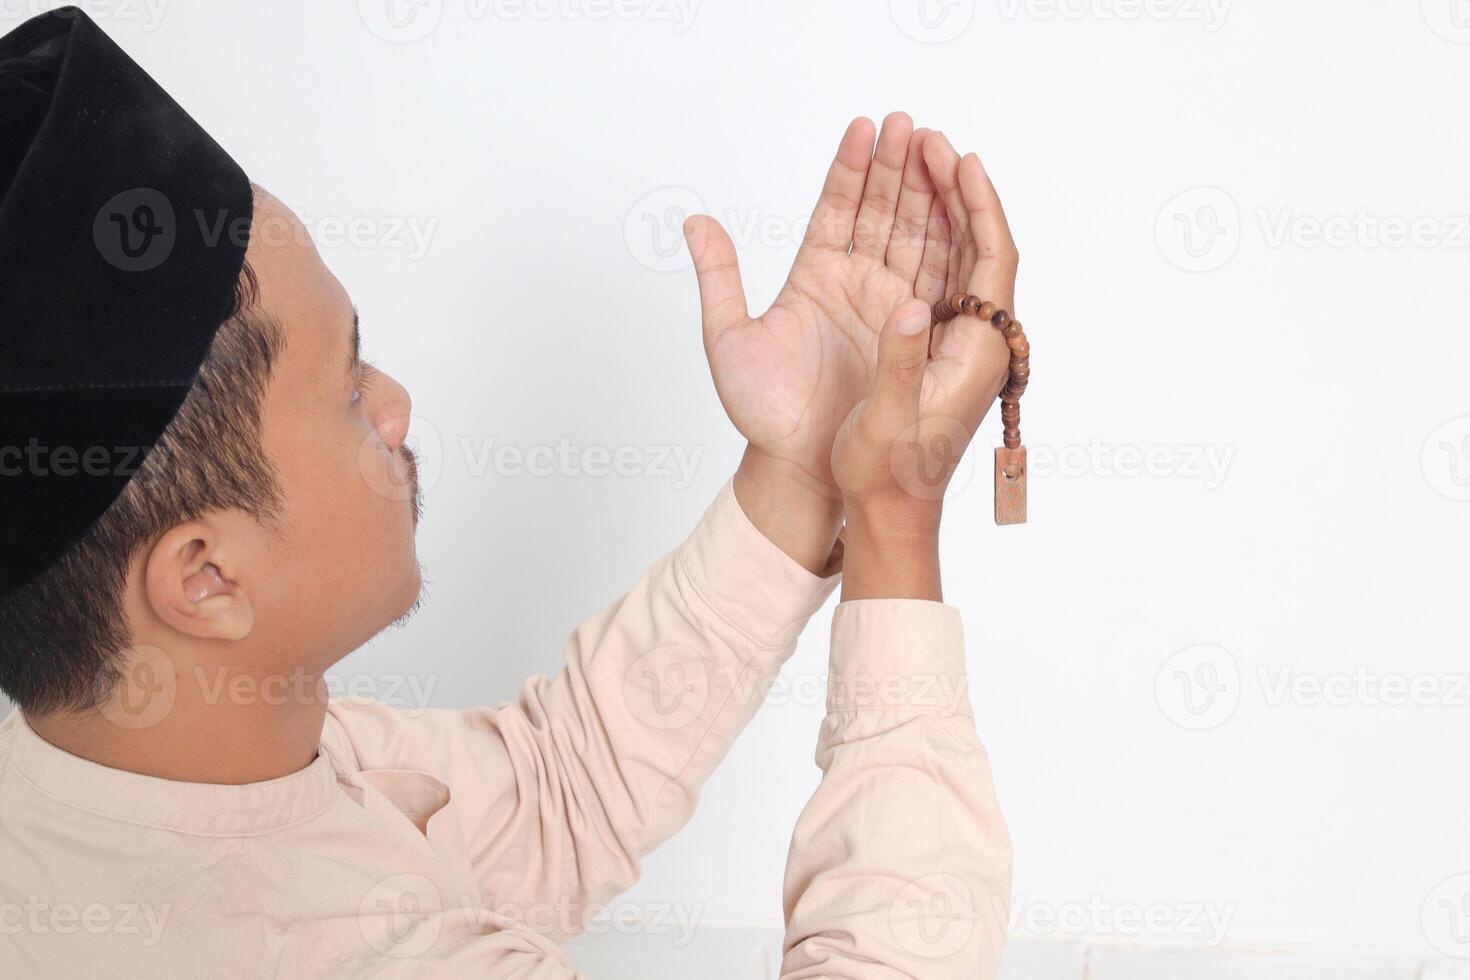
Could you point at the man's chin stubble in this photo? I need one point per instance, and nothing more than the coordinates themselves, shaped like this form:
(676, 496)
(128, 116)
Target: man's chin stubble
(416, 605)
(411, 458)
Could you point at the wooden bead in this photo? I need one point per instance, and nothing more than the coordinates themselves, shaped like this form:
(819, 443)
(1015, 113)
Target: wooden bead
(1018, 376)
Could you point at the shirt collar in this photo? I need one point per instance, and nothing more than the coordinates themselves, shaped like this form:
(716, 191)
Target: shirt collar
(200, 809)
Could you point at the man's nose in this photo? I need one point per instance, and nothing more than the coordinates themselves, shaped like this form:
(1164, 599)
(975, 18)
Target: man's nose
(393, 411)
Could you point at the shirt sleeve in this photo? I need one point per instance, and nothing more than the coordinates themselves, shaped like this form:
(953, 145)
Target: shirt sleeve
(559, 795)
(900, 865)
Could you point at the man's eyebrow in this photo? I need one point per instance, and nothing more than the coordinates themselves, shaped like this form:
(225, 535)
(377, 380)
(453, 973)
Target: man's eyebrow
(356, 350)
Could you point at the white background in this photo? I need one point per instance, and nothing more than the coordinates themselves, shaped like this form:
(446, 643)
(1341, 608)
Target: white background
(1165, 166)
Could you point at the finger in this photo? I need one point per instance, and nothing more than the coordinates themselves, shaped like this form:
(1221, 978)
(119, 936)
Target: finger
(911, 218)
(880, 193)
(996, 261)
(932, 284)
(903, 354)
(944, 165)
(842, 194)
(934, 268)
(721, 295)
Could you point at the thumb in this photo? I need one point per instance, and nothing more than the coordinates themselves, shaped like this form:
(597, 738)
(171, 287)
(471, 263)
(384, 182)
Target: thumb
(721, 296)
(903, 355)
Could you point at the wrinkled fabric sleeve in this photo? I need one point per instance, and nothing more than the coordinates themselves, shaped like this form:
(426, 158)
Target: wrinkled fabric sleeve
(560, 794)
(900, 865)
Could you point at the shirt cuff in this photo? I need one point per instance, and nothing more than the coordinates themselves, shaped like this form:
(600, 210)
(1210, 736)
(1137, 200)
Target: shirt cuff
(903, 655)
(752, 584)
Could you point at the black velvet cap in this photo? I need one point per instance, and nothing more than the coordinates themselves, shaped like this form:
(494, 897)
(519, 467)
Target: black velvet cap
(123, 229)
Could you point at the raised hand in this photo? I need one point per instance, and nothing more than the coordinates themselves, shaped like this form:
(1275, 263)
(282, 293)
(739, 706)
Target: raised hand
(969, 357)
(879, 236)
(899, 447)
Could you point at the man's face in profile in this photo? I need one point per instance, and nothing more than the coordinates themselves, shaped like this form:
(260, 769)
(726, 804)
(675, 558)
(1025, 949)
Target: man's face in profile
(343, 565)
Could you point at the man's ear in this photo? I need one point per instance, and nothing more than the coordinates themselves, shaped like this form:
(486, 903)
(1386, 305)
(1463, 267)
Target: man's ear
(191, 584)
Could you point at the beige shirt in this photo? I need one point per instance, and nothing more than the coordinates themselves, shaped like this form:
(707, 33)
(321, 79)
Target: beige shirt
(469, 843)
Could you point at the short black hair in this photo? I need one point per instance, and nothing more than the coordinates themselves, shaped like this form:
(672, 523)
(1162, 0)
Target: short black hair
(63, 635)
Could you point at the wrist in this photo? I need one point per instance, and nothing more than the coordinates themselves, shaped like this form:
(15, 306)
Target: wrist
(897, 520)
(891, 551)
(794, 511)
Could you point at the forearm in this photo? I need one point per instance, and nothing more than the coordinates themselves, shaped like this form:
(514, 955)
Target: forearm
(564, 791)
(900, 865)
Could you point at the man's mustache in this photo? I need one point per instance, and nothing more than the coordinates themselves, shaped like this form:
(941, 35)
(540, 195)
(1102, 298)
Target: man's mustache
(411, 460)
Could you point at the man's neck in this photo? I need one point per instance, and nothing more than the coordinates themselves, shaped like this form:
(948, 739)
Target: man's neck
(233, 740)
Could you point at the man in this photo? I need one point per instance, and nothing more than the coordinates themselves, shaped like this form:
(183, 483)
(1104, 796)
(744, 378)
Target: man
(177, 796)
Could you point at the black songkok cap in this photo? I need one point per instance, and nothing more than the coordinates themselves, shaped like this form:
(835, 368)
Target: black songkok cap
(123, 229)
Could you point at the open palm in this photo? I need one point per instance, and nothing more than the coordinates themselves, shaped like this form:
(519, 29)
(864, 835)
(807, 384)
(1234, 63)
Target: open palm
(904, 440)
(880, 235)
